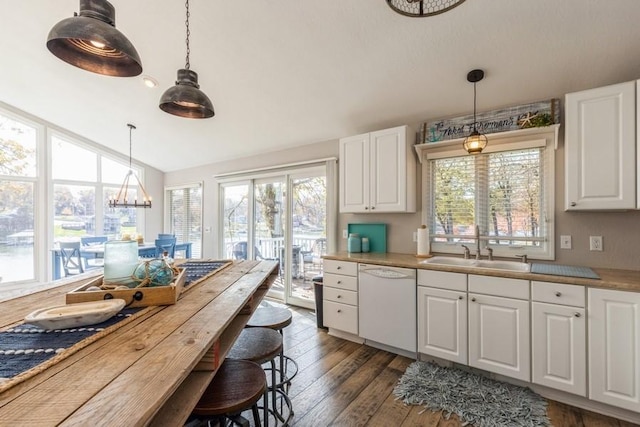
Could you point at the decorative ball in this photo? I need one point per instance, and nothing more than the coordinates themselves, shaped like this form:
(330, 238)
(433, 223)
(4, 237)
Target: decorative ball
(154, 272)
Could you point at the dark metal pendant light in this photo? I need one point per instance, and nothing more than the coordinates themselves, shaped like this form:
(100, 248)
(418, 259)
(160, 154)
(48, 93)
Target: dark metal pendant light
(185, 99)
(91, 41)
(475, 142)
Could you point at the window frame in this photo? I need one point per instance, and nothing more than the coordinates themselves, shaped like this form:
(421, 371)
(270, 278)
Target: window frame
(544, 137)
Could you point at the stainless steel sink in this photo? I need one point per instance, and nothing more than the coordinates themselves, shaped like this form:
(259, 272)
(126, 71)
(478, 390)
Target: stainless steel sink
(483, 263)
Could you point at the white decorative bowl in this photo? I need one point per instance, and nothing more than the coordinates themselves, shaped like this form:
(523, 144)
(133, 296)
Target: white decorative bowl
(75, 315)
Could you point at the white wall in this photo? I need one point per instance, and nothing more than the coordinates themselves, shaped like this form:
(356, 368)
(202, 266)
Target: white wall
(620, 230)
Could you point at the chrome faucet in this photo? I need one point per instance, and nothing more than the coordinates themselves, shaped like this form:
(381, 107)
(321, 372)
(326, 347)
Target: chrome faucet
(466, 251)
(478, 255)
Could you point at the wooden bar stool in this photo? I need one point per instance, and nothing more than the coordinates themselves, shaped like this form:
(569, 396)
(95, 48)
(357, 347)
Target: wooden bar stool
(277, 318)
(236, 387)
(263, 345)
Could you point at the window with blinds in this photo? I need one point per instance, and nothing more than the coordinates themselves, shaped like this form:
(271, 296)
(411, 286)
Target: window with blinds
(185, 215)
(502, 192)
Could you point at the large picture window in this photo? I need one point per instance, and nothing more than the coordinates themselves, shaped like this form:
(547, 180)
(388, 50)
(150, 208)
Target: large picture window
(507, 193)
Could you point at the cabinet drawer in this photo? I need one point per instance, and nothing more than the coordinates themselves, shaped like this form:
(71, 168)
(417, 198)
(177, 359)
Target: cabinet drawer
(558, 293)
(499, 286)
(340, 316)
(341, 282)
(443, 280)
(340, 295)
(341, 267)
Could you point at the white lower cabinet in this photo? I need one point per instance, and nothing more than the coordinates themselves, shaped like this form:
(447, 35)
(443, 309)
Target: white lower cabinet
(559, 347)
(499, 327)
(614, 347)
(340, 296)
(442, 315)
(558, 337)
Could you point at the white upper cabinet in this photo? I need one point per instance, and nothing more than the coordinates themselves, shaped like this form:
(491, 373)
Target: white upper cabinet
(600, 148)
(377, 172)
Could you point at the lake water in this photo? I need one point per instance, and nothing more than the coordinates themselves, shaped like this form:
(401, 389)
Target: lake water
(16, 263)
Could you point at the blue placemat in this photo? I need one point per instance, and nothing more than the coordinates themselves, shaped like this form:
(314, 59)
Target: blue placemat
(24, 346)
(197, 270)
(564, 270)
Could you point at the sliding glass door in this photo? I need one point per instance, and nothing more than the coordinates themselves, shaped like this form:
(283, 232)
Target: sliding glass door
(281, 217)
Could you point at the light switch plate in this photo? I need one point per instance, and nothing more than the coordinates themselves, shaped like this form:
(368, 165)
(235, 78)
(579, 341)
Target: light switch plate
(565, 242)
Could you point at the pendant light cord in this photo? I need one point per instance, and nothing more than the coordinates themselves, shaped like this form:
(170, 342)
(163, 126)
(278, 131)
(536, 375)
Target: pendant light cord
(474, 107)
(188, 34)
(131, 128)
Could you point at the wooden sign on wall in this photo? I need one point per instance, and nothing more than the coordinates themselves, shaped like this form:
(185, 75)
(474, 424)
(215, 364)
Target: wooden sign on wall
(543, 113)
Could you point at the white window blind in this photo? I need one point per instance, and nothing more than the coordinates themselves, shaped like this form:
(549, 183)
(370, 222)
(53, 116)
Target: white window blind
(185, 216)
(502, 192)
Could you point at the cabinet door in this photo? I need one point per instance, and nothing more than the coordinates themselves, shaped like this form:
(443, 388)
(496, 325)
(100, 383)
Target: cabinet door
(499, 335)
(600, 142)
(388, 170)
(559, 347)
(354, 173)
(342, 317)
(614, 348)
(442, 323)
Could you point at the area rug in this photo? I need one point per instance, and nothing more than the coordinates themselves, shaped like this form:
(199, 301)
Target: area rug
(477, 400)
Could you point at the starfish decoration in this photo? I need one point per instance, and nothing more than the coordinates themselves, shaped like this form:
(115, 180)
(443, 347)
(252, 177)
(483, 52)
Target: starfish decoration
(525, 122)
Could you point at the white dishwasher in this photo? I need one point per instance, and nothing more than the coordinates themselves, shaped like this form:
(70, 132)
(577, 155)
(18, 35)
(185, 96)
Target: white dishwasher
(387, 305)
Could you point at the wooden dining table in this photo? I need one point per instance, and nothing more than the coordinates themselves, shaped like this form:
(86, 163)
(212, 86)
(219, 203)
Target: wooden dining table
(152, 370)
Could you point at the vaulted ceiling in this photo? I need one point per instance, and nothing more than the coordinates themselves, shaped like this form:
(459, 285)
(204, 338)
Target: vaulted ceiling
(293, 72)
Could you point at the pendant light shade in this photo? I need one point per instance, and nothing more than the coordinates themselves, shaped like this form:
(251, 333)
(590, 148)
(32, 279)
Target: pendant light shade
(123, 200)
(91, 41)
(185, 99)
(475, 142)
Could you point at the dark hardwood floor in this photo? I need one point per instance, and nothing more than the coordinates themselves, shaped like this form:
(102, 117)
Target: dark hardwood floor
(341, 383)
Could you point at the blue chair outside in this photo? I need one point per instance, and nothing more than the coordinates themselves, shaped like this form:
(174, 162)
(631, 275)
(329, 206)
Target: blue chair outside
(166, 236)
(92, 240)
(166, 245)
(92, 260)
(71, 259)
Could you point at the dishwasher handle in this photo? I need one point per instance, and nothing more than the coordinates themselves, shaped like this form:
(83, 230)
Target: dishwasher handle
(386, 272)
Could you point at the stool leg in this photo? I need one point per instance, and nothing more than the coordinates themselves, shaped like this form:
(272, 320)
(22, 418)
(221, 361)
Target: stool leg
(256, 415)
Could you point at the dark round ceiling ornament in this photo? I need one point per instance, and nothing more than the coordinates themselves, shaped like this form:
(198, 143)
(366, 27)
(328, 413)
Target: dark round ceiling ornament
(422, 8)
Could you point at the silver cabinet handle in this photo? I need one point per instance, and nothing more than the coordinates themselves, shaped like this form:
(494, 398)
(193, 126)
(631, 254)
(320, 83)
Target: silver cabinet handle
(473, 299)
(577, 314)
(459, 297)
(339, 296)
(339, 311)
(366, 208)
(558, 294)
(339, 282)
(573, 203)
(373, 207)
(338, 268)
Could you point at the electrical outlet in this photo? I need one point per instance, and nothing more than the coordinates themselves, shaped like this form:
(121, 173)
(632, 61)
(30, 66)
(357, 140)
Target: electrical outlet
(415, 236)
(595, 243)
(344, 234)
(565, 242)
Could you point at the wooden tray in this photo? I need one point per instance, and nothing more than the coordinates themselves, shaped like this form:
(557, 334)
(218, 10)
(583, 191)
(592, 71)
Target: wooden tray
(134, 297)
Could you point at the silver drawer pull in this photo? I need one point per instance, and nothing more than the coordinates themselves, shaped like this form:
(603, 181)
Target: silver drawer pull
(339, 282)
(460, 297)
(339, 296)
(338, 268)
(339, 311)
(577, 314)
(558, 294)
(473, 299)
